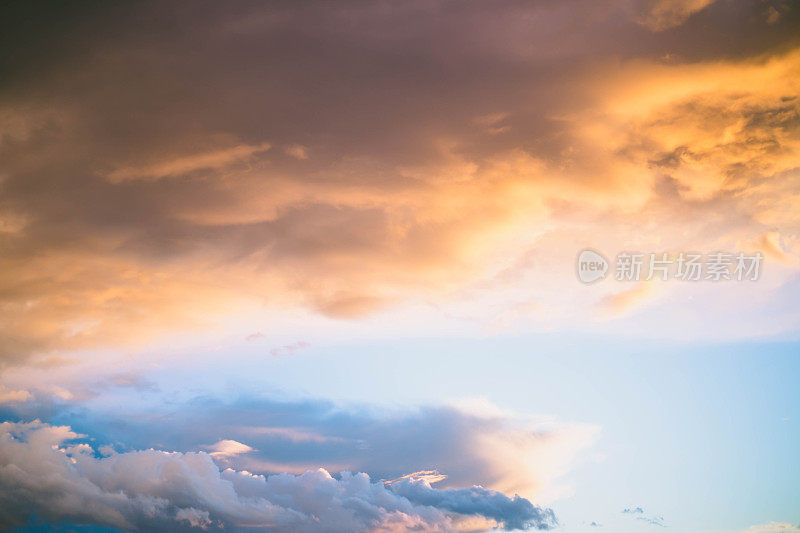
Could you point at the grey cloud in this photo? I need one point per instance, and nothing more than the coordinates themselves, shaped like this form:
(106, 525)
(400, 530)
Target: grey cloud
(293, 436)
(514, 513)
(469, 449)
(47, 471)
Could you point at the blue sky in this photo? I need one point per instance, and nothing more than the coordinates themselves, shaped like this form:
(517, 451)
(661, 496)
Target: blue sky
(703, 434)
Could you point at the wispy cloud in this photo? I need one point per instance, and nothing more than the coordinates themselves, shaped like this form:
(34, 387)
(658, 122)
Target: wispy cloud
(183, 165)
(660, 15)
(639, 514)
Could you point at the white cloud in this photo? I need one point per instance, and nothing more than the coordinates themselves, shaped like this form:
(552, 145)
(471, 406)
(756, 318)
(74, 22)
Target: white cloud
(227, 448)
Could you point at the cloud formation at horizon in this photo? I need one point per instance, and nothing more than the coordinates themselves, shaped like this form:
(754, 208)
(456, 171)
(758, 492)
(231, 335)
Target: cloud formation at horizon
(44, 473)
(467, 446)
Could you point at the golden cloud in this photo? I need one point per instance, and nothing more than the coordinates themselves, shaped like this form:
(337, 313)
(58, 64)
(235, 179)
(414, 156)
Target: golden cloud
(115, 235)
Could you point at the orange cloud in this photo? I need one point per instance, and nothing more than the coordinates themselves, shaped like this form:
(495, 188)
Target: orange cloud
(182, 165)
(113, 236)
(622, 302)
(660, 15)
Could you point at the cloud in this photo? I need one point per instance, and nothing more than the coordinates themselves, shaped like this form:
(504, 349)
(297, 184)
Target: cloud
(429, 476)
(773, 527)
(515, 513)
(288, 349)
(297, 151)
(770, 244)
(186, 164)
(349, 305)
(140, 199)
(639, 514)
(13, 395)
(292, 434)
(44, 472)
(132, 380)
(626, 300)
(662, 15)
(227, 448)
(466, 445)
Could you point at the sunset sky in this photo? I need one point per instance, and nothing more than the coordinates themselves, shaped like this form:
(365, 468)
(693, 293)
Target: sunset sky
(311, 266)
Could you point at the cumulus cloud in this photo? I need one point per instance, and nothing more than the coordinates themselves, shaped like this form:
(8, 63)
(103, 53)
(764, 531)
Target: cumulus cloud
(514, 513)
(45, 472)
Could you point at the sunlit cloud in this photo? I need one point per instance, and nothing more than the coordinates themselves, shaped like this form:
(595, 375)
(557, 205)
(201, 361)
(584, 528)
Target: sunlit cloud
(186, 164)
(227, 448)
(114, 241)
(627, 299)
(660, 15)
(13, 395)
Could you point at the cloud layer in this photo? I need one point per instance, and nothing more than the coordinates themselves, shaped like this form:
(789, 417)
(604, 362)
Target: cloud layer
(44, 472)
(154, 179)
(465, 445)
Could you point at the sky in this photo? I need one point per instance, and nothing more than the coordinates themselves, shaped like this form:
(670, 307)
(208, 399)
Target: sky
(382, 266)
